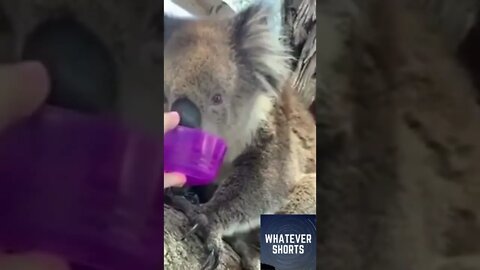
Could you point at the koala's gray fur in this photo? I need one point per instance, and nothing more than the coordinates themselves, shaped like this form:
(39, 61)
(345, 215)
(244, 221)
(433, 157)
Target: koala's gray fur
(375, 210)
(270, 134)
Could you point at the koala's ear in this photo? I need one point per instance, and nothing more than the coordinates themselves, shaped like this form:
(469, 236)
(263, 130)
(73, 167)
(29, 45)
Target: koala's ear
(259, 47)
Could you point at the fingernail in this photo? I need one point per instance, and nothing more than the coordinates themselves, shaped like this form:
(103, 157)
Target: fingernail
(181, 179)
(174, 180)
(173, 114)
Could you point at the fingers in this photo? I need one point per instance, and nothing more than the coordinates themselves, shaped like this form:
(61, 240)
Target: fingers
(173, 180)
(31, 261)
(23, 87)
(170, 121)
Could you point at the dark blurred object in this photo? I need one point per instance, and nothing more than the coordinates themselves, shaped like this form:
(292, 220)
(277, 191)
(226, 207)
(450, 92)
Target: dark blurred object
(469, 53)
(6, 38)
(81, 68)
(265, 266)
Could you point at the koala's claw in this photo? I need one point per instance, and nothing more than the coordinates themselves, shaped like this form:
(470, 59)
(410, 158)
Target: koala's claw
(200, 227)
(212, 261)
(208, 235)
(192, 231)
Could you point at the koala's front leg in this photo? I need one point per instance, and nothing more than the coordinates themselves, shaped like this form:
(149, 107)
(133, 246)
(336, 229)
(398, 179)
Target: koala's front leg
(256, 186)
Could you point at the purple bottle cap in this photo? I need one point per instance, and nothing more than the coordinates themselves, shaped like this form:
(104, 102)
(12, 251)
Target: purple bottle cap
(195, 153)
(84, 188)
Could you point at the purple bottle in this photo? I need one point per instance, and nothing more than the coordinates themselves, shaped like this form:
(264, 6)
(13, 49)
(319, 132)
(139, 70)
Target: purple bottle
(90, 190)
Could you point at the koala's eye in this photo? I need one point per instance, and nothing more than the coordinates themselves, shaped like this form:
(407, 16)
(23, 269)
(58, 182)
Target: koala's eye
(217, 99)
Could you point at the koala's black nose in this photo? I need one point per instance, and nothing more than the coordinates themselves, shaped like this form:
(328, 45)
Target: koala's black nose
(190, 115)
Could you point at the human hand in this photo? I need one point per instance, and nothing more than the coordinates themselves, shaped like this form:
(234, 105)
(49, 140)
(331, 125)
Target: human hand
(170, 121)
(23, 88)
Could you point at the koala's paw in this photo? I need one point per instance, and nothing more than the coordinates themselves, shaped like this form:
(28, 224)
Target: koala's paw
(214, 248)
(183, 205)
(204, 227)
(173, 195)
(200, 225)
(192, 197)
(205, 230)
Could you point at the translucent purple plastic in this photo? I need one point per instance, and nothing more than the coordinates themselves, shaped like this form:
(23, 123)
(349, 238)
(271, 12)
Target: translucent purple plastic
(196, 154)
(84, 188)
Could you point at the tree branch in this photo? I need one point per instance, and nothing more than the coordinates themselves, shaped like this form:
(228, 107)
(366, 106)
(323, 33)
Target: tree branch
(190, 253)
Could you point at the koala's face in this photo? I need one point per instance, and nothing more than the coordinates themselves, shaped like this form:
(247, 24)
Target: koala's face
(202, 81)
(216, 71)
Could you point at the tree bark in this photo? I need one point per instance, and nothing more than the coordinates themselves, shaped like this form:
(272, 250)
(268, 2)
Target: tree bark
(190, 253)
(299, 18)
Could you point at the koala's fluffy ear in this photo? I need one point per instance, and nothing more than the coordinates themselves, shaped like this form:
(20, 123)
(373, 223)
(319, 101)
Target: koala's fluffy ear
(259, 47)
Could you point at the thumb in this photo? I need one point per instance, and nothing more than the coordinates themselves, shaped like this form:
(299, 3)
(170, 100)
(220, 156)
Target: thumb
(173, 180)
(170, 121)
(23, 87)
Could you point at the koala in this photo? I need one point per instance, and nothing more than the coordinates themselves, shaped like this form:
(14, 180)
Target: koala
(231, 77)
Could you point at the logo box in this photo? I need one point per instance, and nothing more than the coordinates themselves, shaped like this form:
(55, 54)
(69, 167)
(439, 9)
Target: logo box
(288, 242)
